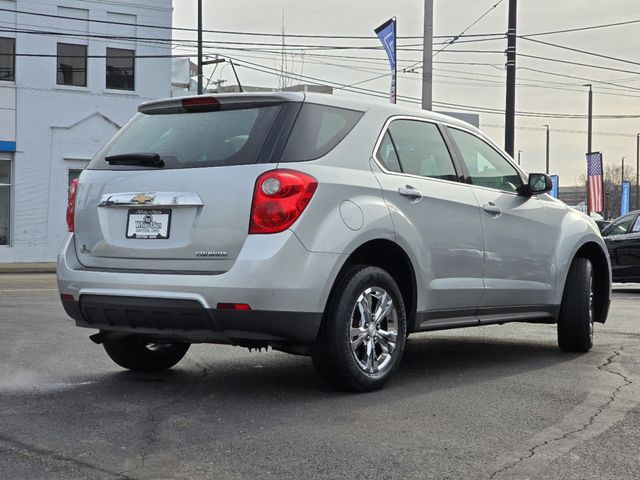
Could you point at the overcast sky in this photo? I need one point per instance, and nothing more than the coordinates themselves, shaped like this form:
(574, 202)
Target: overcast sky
(456, 79)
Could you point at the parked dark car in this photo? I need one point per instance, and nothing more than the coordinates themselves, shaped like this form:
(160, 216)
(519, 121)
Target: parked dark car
(623, 242)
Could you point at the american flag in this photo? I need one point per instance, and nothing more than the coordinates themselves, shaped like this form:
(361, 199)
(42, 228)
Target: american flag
(594, 183)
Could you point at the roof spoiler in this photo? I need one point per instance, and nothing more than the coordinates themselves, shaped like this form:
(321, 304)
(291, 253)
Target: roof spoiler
(214, 103)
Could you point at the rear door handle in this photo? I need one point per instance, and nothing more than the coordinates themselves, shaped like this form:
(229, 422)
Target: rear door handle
(409, 191)
(492, 208)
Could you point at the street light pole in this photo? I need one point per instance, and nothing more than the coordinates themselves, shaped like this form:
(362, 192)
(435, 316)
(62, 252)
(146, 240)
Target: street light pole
(590, 118)
(547, 150)
(519, 152)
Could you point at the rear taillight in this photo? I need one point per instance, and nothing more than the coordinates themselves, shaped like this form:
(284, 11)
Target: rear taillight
(280, 196)
(71, 205)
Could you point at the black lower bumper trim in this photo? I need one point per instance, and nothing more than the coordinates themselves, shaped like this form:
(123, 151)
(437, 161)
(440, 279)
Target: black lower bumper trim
(189, 320)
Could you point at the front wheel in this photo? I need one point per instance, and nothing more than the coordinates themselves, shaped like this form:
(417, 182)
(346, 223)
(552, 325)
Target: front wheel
(362, 338)
(575, 323)
(136, 354)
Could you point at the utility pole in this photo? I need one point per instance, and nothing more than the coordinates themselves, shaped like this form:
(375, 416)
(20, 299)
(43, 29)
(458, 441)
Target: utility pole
(427, 57)
(510, 107)
(519, 152)
(622, 174)
(638, 171)
(589, 118)
(199, 47)
(547, 156)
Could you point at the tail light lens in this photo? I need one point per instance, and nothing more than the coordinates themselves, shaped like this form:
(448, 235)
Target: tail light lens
(71, 205)
(279, 197)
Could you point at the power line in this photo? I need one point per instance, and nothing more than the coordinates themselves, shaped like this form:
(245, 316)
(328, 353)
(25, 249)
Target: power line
(585, 52)
(457, 37)
(222, 32)
(563, 130)
(564, 61)
(380, 94)
(581, 29)
(217, 43)
(583, 79)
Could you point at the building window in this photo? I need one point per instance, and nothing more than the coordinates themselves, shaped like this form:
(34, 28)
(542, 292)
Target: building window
(7, 59)
(5, 201)
(72, 65)
(120, 69)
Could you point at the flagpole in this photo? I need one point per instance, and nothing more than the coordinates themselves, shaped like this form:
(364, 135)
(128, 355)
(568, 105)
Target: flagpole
(395, 60)
(387, 35)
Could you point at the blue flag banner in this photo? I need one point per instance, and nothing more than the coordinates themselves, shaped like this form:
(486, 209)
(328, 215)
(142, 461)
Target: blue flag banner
(625, 199)
(556, 185)
(387, 35)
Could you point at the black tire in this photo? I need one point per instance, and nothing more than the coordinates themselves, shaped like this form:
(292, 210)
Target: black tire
(136, 354)
(343, 359)
(575, 323)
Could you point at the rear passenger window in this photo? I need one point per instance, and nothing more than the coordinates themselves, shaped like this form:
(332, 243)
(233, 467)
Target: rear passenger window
(421, 150)
(387, 154)
(318, 129)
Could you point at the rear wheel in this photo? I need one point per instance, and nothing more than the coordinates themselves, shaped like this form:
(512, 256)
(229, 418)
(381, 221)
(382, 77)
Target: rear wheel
(575, 323)
(364, 330)
(136, 354)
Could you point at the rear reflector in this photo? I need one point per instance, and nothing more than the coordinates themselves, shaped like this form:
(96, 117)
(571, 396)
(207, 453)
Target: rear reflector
(234, 306)
(65, 297)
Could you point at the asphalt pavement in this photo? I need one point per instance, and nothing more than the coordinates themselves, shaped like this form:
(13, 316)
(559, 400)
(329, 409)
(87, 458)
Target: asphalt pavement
(496, 402)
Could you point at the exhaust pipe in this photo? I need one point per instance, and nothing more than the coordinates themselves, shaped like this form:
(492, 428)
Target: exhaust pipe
(106, 335)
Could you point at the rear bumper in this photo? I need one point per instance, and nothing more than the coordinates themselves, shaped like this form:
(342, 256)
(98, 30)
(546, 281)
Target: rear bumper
(187, 320)
(285, 285)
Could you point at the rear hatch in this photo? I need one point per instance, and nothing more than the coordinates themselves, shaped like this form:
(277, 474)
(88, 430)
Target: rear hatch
(173, 190)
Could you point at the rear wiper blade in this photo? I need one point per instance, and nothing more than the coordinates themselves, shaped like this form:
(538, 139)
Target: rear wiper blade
(136, 159)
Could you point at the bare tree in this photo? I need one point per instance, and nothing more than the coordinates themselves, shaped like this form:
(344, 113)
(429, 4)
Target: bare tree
(613, 188)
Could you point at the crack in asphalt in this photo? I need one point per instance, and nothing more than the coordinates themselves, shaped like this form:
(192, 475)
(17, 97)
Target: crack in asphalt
(152, 436)
(612, 397)
(25, 449)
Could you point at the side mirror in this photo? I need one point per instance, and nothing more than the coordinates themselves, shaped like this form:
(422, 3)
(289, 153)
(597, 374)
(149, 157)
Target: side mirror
(538, 183)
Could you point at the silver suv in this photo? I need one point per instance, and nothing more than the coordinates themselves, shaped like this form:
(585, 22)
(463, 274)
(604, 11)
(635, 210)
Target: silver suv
(317, 225)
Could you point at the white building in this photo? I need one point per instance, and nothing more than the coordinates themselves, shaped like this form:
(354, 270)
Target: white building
(62, 97)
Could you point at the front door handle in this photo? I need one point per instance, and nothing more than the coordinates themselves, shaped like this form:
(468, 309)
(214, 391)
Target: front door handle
(492, 208)
(409, 191)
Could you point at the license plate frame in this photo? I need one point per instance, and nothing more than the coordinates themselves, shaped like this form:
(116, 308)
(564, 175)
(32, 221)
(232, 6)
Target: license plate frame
(148, 224)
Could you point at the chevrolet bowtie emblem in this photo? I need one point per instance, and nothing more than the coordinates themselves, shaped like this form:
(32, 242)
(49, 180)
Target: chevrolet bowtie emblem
(142, 198)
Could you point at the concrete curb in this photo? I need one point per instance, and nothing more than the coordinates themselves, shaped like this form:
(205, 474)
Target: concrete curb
(39, 267)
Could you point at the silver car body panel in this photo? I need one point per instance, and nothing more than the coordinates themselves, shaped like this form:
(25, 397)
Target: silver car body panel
(211, 214)
(464, 258)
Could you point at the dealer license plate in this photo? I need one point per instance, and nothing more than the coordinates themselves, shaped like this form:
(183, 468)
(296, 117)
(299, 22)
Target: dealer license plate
(148, 224)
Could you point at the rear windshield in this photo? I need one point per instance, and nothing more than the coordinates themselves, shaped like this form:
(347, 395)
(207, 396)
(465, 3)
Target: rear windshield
(188, 140)
(318, 129)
